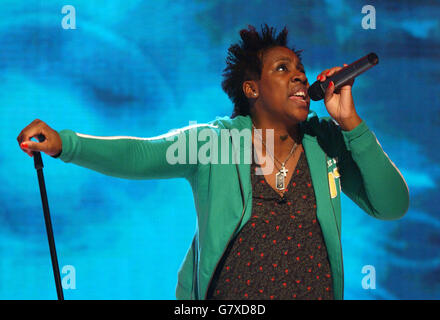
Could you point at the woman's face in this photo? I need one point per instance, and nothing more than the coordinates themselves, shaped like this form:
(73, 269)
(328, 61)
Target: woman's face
(282, 88)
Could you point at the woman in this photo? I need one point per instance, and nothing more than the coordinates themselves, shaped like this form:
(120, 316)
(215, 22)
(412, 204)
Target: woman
(262, 234)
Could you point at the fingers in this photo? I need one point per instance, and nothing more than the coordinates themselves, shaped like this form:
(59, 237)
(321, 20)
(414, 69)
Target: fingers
(33, 146)
(328, 73)
(31, 130)
(30, 146)
(329, 91)
(331, 86)
(34, 129)
(25, 150)
(321, 77)
(51, 141)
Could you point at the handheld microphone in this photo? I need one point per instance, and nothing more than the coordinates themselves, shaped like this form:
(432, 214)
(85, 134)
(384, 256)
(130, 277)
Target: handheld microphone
(317, 90)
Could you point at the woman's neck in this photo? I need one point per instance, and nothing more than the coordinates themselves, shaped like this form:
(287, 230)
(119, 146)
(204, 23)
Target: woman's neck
(285, 135)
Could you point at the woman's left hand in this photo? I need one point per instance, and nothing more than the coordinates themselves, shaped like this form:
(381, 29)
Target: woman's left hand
(339, 103)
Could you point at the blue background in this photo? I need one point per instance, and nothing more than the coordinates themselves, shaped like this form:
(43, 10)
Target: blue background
(141, 68)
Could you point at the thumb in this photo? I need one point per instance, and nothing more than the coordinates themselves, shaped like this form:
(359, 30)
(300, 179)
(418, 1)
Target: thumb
(329, 91)
(33, 146)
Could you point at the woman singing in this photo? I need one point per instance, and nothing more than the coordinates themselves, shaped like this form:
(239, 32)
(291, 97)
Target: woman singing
(261, 234)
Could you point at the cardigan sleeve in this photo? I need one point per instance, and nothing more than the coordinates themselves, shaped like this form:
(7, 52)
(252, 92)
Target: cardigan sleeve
(369, 177)
(167, 156)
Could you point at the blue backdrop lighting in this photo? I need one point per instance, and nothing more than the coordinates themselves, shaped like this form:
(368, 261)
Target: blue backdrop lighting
(142, 68)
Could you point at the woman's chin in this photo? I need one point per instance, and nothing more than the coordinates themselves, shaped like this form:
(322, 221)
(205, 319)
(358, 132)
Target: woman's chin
(299, 113)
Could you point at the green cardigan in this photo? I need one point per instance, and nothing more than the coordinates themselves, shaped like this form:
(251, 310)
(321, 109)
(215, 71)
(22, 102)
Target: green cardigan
(351, 161)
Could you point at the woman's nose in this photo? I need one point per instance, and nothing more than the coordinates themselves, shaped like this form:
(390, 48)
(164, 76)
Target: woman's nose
(299, 78)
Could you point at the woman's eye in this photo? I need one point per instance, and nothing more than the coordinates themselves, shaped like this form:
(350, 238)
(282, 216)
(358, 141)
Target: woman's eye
(282, 67)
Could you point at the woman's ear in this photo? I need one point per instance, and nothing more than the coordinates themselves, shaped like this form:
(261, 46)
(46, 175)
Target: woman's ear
(250, 89)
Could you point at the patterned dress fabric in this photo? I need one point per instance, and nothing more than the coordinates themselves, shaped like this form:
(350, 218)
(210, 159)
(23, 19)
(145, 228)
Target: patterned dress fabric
(280, 252)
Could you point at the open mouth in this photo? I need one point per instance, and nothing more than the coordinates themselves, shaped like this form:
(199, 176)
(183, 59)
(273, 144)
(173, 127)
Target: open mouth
(299, 95)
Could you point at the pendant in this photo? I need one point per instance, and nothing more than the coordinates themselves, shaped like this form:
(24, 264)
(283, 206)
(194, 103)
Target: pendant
(280, 178)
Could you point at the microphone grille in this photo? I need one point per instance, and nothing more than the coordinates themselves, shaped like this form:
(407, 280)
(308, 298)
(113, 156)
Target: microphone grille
(316, 92)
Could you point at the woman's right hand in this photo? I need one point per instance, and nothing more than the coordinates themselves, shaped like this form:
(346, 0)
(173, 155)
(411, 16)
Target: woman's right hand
(52, 145)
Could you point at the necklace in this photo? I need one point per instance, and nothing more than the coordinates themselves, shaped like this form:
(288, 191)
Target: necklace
(280, 177)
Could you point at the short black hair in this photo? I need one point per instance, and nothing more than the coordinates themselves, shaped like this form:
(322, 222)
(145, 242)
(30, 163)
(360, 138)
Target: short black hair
(244, 62)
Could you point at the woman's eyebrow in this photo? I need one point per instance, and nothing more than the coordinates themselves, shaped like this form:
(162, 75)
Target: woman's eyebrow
(282, 59)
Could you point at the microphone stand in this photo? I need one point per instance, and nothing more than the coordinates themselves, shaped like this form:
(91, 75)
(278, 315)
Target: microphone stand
(38, 163)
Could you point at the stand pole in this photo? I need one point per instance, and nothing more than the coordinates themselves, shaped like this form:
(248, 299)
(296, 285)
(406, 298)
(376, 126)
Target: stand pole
(38, 163)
